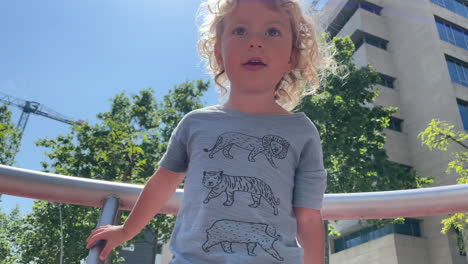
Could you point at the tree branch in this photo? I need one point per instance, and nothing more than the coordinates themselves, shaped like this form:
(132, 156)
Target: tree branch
(461, 144)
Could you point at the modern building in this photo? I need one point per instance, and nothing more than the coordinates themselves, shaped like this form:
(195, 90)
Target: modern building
(420, 49)
(142, 251)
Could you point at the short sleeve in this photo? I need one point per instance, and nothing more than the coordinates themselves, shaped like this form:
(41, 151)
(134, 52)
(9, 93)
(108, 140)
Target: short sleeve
(176, 159)
(310, 179)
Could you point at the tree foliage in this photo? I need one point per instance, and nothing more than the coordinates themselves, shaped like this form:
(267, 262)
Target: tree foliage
(440, 135)
(9, 143)
(124, 146)
(351, 130)
(9, 137)
(10, 230)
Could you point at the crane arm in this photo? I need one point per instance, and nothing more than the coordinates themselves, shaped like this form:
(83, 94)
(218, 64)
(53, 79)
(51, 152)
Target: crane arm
(29, 107)
(35, 108)
(55, 117)
(11, 100)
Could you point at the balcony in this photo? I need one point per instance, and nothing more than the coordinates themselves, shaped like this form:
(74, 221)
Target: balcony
(366, 21)
(379, 58)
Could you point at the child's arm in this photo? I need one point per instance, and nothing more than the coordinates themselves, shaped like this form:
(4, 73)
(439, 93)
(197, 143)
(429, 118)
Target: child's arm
(310, 234)
(157, 191)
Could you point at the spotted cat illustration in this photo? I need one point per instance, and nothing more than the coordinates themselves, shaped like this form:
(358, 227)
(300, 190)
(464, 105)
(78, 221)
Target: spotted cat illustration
(220, 182)
(226, 232)
(270, 145)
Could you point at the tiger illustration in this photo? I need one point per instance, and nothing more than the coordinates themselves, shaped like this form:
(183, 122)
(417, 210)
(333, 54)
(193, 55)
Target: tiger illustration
(270, 145)
(220, 182)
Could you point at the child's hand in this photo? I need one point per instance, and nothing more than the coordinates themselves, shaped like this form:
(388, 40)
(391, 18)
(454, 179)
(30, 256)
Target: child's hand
(114, 236)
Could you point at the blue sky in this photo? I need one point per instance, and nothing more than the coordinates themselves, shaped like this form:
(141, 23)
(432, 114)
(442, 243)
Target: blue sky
(73, 56)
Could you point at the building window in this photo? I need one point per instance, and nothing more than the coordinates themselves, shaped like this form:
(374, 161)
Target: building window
(377, 42)
(386, 80)
(452, 33)
(463, 108)
(371, 40)
(458, 70)
(410, 228)
(395, 124)
(373, 8)
(347, 12)
(457, 6)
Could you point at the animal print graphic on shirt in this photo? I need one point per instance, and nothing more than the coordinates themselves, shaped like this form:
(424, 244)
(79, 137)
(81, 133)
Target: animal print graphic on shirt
(270, 145)
(226, 232)
(219, 182)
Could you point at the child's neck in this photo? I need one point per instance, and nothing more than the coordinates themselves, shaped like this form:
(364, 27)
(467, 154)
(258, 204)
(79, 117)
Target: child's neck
(256, 107)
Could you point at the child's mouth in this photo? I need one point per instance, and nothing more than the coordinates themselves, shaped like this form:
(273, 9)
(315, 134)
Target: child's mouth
(254, 65)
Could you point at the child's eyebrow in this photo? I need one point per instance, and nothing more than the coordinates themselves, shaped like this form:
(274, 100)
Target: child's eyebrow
(241, 21)
(276, 22)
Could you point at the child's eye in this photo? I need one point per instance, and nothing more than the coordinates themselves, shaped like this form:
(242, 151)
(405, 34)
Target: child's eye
(239, 31)
(273, 32)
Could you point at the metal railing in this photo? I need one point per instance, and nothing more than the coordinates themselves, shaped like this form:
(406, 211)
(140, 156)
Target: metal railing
(113, 196)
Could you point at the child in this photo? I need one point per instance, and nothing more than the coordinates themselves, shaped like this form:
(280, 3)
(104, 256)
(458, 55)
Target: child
(254, 175)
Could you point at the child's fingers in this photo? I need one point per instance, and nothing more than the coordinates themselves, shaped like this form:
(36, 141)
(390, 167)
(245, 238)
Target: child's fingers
(98, 231)
(90, 243)
(93, 238)
(95, 232)
(107, 249)
(96, 244)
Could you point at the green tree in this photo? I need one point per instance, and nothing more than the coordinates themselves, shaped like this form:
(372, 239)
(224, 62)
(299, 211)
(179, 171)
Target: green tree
(9, 143)
(10, 230)
(125, 146)
(440, 135)
(351, 131)
(9, 137)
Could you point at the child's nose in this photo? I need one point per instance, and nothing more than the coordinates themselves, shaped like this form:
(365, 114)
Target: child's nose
(256, 41)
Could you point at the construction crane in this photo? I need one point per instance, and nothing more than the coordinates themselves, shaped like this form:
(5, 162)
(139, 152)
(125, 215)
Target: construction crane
(31, 107)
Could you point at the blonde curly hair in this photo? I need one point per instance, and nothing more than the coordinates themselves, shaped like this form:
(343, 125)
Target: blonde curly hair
(314, 54)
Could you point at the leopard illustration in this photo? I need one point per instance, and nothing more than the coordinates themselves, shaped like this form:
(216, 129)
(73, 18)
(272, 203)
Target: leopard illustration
(226, 232)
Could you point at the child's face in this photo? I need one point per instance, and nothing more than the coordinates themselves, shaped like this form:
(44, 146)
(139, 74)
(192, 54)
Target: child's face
(253, 30)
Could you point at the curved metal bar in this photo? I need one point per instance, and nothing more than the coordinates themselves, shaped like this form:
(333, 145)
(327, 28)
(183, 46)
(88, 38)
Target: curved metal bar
(439, 200)
(108, 214)
(74, 190)
(371, 205)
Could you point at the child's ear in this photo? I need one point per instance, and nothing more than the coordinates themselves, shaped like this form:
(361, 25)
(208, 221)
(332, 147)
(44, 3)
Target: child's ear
(219, 58)
(294, 59)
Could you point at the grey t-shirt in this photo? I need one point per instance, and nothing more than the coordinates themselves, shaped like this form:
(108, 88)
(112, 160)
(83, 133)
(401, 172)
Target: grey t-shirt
(245, 172)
